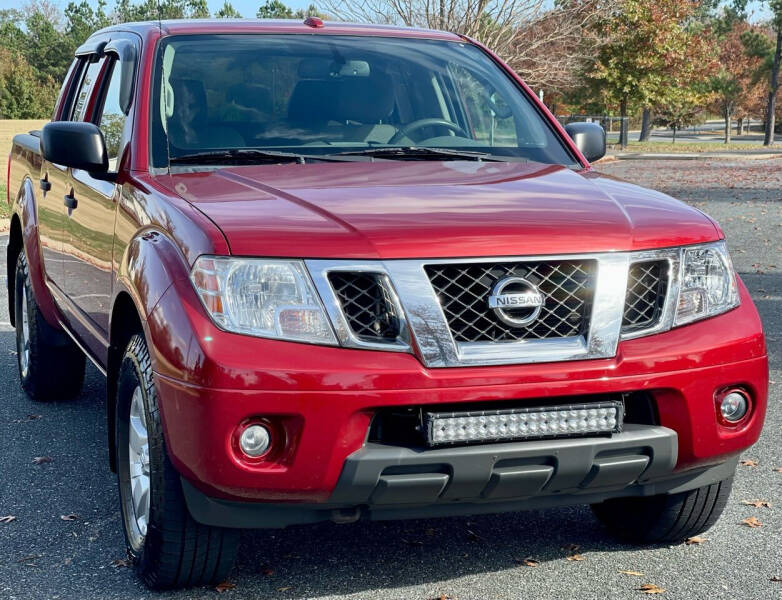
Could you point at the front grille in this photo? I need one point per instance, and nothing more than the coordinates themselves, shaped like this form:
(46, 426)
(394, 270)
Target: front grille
(367, 305)
(647, 286)
(463, 291)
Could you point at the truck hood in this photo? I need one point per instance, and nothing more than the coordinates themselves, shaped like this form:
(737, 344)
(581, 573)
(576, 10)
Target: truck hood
(434, 209)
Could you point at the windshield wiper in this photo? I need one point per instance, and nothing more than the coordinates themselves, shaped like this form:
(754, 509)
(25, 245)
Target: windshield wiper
(248, 156)
(422, 153)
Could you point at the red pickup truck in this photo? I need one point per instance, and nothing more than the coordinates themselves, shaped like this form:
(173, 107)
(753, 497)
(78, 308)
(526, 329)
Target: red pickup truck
(335, 272)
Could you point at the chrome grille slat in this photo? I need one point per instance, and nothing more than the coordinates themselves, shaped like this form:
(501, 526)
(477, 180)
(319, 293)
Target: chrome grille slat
(463, 289)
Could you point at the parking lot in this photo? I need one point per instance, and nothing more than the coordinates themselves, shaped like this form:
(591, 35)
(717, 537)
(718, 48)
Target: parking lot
(46, 556)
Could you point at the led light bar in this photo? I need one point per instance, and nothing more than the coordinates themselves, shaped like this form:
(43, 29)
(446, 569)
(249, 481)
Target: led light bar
(523, 423)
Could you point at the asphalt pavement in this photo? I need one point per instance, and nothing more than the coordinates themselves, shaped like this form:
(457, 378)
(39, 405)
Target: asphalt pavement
(44, 556)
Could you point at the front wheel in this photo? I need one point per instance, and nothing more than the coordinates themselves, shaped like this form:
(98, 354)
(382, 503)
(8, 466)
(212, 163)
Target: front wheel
(169, 549)
(667, 517)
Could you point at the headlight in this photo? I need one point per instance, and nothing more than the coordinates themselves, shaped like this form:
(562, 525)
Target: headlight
(708, 283)
(262, 297)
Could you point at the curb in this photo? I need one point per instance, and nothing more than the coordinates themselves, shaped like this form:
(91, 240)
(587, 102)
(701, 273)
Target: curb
(697, 156)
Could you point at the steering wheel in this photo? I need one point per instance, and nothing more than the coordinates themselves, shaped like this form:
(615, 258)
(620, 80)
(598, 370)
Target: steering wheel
(421, 123)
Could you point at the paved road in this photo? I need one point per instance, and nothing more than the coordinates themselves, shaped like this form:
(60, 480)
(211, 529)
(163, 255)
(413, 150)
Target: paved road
(44, 557)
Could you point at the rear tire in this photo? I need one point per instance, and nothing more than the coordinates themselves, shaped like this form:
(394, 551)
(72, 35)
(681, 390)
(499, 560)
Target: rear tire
(665, 518)
(51, 365)
(169, 548)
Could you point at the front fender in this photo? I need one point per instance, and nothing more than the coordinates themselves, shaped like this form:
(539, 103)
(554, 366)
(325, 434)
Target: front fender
(151, 263)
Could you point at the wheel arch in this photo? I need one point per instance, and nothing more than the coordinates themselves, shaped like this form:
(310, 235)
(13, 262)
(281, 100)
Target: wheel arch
(148, 266)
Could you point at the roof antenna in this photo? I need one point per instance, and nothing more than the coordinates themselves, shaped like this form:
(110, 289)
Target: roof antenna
(163, 89)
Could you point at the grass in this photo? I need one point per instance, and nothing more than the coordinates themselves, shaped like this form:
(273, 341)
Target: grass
(696, 147)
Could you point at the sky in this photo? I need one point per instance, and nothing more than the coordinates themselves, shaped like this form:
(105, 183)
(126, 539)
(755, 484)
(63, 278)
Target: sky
(248, 8)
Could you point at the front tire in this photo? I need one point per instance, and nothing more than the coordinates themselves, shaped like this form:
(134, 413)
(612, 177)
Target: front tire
(667, 517)
(51, 366)
(169, 549)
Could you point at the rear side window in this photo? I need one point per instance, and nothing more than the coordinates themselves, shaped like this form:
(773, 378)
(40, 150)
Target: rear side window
(86, 85)
(112, 119)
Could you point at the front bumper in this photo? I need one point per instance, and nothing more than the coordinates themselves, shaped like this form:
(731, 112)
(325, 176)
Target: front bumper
(209, 381)
(382, 483)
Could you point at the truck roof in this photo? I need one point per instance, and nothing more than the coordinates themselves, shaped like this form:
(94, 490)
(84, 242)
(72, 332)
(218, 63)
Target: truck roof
(293, 26)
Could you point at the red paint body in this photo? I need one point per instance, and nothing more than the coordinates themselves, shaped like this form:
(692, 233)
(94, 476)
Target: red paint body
(323, 397)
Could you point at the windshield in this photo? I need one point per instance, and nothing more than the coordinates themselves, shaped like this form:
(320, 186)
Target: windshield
(328, 95)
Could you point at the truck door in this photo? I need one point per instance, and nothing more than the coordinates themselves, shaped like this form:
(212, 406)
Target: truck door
(55, 184)
(88, 268)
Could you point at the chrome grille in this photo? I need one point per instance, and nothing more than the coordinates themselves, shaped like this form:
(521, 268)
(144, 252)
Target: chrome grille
(647, 286)
(463, 291)
(367, 305)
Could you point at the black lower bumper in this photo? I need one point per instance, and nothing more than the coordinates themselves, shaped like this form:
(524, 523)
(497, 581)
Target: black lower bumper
(389, 482)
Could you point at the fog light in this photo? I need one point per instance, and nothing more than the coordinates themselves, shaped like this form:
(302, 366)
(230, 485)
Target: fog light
(734, 406)
(255, 440)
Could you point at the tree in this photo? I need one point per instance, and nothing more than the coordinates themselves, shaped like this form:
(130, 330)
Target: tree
(735, 86)
(274, 9)
(152, 10)
(22, 95)
(681, 108)
(652, 50)
(228, 12)
(771, 54)
(500, 24)
(554, 48)
(82, 21)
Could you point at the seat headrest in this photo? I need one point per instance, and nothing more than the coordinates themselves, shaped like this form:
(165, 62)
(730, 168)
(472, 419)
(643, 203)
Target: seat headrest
(312, 102)
(253, 96)
(365, 99)
(189, 100)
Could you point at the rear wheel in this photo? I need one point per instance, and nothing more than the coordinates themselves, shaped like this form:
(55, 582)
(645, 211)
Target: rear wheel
(51, 366)
(665, 518)
(168, 547)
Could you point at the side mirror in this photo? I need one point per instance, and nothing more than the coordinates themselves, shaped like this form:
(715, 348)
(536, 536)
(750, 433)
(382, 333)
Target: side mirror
(75, 144)
(590, 139)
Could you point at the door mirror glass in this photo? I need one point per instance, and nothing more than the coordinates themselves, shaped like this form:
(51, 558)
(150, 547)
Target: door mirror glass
(590, 139)
(74, 144)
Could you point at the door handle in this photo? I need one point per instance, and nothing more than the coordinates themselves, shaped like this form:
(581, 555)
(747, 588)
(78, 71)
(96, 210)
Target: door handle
(45, 185)
(70, 201)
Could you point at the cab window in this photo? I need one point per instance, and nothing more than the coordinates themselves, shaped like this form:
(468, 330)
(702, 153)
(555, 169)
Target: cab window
(112, 118)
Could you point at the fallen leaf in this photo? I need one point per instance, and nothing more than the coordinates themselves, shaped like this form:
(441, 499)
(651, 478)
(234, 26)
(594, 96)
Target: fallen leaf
(474, 536)
(747, 462)
(694, 540)
(633, 573)
(118, 563)
(412, 542)
(576, 557)
(650, 588)
(29, 558)
(284, 589)
(757, 503)
(69, 517)
(225, 586)
(7, 519)
(778, 470)
(268, 571)
(528, 562)
(442, 597)
(775, 578)
(40, 460)
(752, 522)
